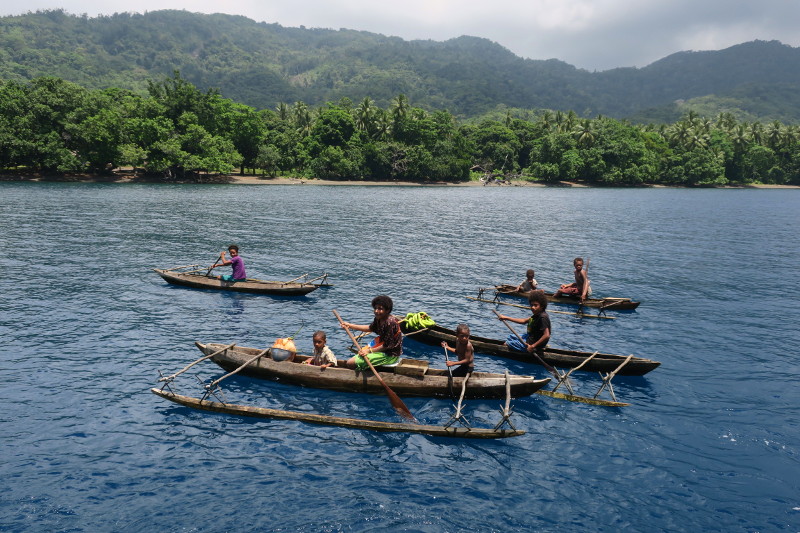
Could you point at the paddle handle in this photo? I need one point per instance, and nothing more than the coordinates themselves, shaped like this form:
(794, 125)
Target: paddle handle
(349, 333)
(212, 266)
(447, 360)
(586, 287)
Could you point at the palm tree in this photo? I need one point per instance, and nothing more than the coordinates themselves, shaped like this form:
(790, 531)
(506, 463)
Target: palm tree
(382, 123)
(400, 107)
(547, 120)
(570, 121)
(696, 139)
(726, 121)
(364, 115)
(418, 114)
(584, 133)
(774, 135)
(283, 111)
(302, 118)
(756, 132)
(740, 138)
(560, 119)
(680, 133)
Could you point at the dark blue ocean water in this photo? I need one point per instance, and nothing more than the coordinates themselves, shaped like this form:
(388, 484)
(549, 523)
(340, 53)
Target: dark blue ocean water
(710, 441)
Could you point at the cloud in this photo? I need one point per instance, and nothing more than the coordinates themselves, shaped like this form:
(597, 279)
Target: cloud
(592, 34)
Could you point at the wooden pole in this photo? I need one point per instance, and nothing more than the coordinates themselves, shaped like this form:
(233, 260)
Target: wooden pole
(214, 383)
(450, 372)
(576, 368)
(295, 279)
(176, 374)
(179, 267)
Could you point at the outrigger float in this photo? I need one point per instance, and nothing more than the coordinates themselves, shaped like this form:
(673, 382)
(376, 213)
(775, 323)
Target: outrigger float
(198, 277)
(352, 423)
(465, 430)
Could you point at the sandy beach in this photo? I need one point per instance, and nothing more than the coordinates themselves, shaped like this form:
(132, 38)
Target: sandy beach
(249, 179)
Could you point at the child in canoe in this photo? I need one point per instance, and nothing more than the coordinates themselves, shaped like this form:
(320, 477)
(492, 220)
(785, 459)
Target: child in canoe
(236, 262)
(389, 346)
(581, 288)
(464, 352)
(538, 326)
(530, 282)
(323, 356)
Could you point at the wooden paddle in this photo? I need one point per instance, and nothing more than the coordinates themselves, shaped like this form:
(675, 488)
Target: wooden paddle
(395, 400)
(586, 271)
(212, 266)
(450, 372)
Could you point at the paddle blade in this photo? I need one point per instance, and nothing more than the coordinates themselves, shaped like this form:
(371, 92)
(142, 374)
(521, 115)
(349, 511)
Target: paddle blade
(398, 405)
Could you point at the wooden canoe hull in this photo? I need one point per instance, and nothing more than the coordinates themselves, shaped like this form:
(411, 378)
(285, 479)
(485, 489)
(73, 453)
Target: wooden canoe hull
(354, 423)
(199, 281)
(601, 362)
(434, 383)
(611, 304)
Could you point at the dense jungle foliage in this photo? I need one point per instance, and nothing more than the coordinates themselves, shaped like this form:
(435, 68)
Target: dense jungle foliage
(261, 65)
(177, 131)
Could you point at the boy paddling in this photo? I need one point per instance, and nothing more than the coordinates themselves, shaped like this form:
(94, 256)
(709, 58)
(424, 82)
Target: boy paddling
(463, 351)
(389, 342)
(236, 263)
(538, 334)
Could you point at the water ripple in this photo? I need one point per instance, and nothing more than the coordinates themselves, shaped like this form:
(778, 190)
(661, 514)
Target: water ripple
(710, 441)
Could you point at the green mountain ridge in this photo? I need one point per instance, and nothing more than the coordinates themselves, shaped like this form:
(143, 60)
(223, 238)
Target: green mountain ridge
(262, 65)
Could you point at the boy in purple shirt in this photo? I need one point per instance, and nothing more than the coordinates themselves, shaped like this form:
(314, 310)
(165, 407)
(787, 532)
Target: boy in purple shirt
(236, 262)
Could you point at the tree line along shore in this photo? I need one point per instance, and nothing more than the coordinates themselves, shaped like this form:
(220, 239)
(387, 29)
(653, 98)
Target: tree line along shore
(51, 127)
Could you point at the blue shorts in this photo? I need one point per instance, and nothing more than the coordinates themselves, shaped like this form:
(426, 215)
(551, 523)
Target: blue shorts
(229, 277)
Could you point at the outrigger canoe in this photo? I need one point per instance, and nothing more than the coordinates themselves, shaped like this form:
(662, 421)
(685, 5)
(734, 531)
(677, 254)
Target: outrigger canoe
(355, 423)
(199, 280)
(409, 378)
(614, 304)
(601, 362)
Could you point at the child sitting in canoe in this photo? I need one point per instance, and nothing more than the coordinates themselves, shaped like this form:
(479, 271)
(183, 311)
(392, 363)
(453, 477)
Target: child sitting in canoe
(581, 288)
(538, 330)
(236, 262)
(323, 356)
(464, 352)
(530, 283)
(387, 328)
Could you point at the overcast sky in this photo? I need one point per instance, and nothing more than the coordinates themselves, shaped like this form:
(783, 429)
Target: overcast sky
(590, 34)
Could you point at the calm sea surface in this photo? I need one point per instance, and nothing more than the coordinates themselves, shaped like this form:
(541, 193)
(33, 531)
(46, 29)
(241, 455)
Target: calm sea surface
(711, 441)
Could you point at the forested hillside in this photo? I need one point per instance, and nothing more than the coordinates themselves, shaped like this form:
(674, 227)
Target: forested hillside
(262, 65)
(178, 132)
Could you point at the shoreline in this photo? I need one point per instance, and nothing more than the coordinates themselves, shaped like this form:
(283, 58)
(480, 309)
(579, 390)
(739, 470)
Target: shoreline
(235, 179)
